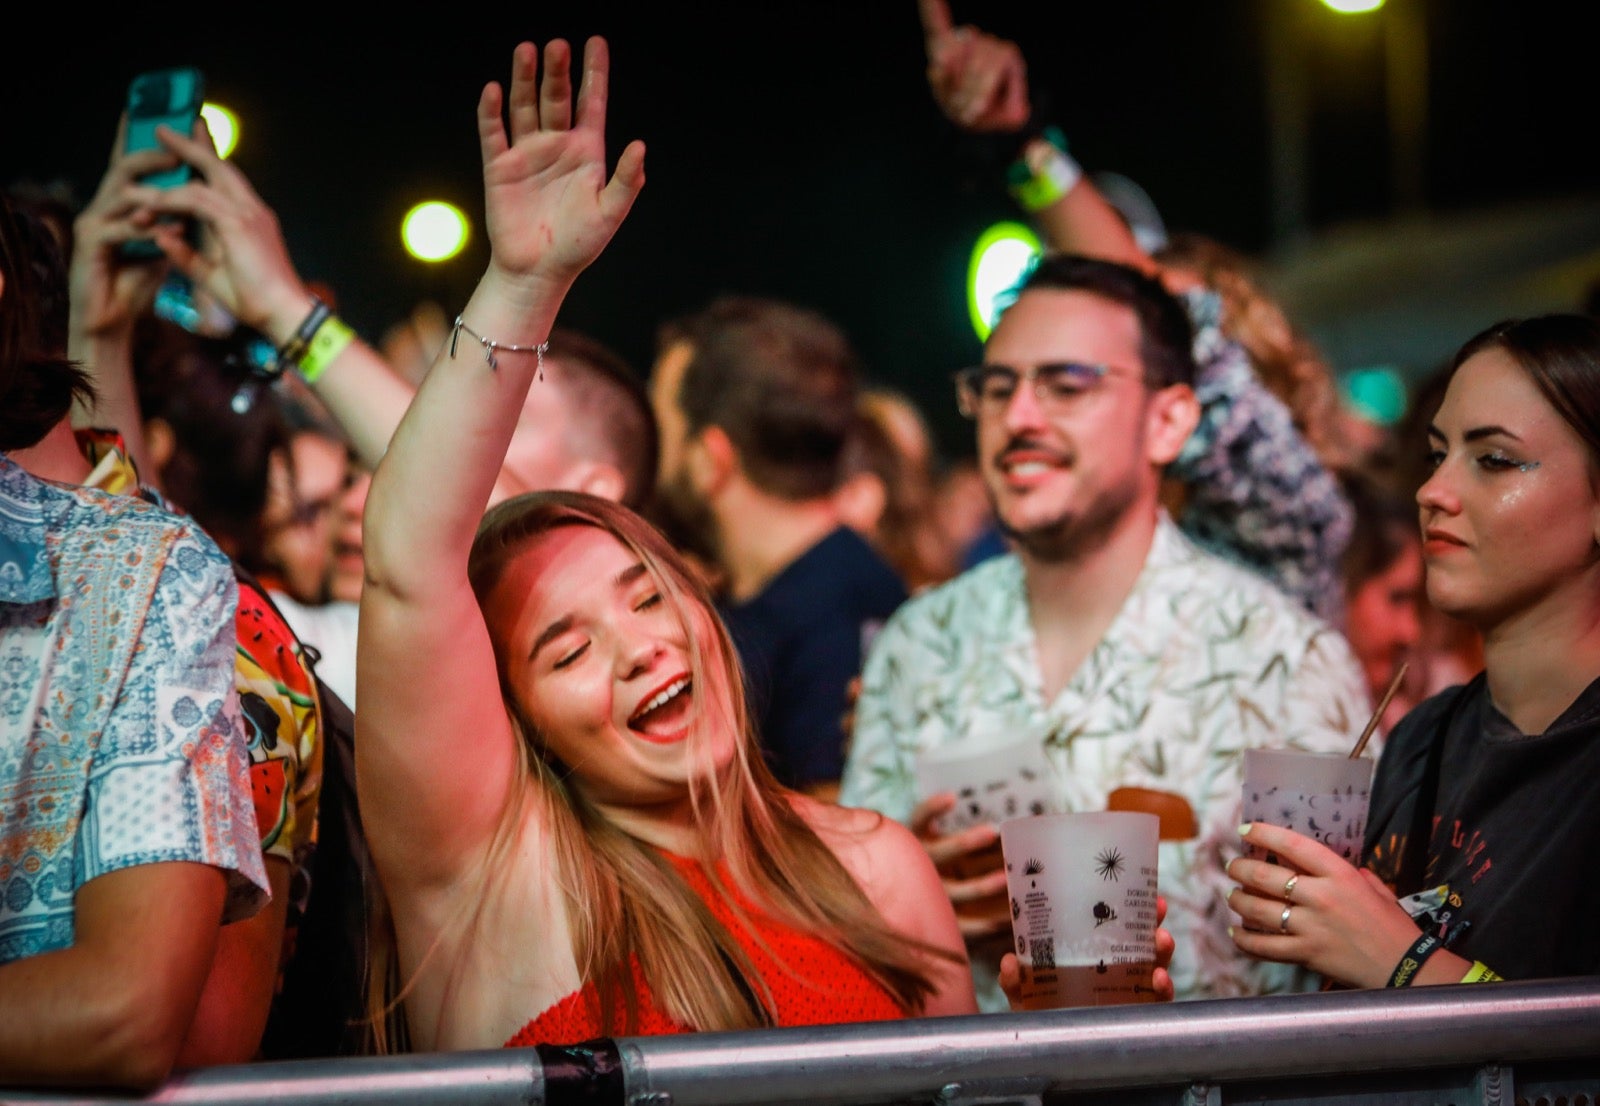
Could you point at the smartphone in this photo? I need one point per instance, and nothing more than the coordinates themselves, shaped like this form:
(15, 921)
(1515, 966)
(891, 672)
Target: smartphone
(165, 96)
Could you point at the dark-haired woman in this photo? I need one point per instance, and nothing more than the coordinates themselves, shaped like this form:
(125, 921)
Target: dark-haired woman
(1486, 808)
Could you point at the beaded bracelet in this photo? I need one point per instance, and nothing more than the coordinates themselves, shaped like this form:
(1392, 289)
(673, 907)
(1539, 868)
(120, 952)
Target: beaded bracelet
(1406, 971)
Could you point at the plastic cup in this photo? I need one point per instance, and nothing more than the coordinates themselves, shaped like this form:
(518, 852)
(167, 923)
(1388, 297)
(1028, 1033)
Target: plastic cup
(1083, 906)
(993, 778)
(1321, 795)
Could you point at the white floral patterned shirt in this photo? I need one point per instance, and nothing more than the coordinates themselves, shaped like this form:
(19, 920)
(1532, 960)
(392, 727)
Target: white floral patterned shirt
(1204, 660)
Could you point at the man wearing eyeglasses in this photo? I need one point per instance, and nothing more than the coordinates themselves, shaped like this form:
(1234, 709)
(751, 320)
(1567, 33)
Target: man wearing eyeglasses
(1139, 659)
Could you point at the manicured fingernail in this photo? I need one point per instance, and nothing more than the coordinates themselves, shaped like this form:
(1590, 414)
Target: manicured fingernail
(1244, 829)
(1230, 933)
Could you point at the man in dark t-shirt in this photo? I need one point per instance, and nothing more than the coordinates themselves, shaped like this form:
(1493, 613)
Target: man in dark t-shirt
(802, 640)
(756, 399)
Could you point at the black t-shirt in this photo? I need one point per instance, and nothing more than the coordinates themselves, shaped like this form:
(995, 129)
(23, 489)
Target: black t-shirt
(1509, 877)
(801, 641)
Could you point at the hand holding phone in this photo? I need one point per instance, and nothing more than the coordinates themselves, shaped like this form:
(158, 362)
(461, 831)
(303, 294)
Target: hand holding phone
(170, 97)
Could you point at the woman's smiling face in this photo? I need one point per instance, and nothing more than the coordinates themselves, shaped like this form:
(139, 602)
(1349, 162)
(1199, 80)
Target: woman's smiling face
(600, 665)
(1510, 516)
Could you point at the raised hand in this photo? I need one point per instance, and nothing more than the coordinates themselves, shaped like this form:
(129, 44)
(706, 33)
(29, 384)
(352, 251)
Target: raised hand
(978, 80)
(1341, 921)
(243, 261)
(108, 290)
(549, 207)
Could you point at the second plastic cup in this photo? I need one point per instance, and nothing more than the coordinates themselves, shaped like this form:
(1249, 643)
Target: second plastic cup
(994, 778)
(1083, 906)
(1321, 795)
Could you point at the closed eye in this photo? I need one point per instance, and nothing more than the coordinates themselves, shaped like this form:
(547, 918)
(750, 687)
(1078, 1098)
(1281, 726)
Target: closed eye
(571, 657)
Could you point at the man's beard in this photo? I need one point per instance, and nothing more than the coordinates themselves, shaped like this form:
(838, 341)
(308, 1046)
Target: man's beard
(685, 518)
(1072, 534)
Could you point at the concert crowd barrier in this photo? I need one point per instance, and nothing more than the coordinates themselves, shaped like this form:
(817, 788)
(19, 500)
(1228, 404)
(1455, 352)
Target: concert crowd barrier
(1500, 1044)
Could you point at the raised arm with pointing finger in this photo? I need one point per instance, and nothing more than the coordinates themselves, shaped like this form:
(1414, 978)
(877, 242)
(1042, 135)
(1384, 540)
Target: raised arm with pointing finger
(980, 82)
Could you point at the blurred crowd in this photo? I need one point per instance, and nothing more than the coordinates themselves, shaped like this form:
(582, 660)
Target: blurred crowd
(335, 675)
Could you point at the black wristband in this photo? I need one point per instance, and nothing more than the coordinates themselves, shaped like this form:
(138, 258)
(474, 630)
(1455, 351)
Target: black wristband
(290, 353)
(1411, 963)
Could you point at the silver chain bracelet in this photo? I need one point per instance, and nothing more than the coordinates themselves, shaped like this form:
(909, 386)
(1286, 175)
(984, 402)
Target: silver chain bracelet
(490, 346)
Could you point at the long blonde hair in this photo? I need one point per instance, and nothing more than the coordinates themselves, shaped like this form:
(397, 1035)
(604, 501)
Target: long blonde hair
(625, 902)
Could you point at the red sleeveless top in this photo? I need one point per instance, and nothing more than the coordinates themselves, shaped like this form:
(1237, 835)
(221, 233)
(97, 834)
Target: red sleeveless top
(830, 988)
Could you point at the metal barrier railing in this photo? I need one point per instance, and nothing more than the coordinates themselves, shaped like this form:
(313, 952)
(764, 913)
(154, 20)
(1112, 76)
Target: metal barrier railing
(1535, 1042)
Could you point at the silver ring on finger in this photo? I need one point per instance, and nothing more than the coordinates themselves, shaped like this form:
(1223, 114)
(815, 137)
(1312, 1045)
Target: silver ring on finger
(1288, 887)
(1283, 921)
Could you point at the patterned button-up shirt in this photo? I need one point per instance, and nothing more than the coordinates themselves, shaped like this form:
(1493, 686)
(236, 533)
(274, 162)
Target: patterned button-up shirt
(120, 735)
(1204, 660)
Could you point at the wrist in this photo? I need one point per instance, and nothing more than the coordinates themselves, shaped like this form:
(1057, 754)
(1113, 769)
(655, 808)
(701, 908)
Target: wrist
(1426, 962)
(523, 290)
(1044, 173)
(285, 314)
(1444, 967)
(515, 308)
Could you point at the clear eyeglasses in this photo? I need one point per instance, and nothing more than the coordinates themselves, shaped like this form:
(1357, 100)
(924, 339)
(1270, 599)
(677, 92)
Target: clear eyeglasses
(988, 389)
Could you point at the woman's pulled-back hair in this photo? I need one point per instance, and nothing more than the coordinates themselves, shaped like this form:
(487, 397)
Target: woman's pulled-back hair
(1561, 354)
(625, 902)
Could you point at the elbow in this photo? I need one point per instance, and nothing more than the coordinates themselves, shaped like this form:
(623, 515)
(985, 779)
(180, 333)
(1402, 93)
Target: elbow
(136, 1042)
(126, 1057)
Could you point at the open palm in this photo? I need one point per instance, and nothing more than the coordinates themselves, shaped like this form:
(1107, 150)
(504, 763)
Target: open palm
(549, 207)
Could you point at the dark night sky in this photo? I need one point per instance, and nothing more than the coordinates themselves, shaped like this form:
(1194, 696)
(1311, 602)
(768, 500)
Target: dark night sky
(795, 151)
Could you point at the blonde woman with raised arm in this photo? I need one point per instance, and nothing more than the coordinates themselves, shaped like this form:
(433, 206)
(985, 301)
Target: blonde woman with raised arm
(559, 781)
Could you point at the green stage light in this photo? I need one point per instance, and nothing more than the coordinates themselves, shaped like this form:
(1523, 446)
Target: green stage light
(1001, 257)
(434, 231)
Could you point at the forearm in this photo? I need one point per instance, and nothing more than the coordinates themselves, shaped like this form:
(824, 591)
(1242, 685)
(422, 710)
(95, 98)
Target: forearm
(429, 492)
(1084, 222)
(364, 395)
(112, 1009)
(65, 1020)
(232, 1012)
(1443, 967)
(108, 357)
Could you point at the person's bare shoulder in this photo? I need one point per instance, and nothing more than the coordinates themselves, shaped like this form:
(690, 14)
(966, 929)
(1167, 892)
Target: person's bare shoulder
(896, 874)
(879, 852)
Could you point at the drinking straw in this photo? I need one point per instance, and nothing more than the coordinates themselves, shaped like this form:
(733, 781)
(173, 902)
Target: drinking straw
(1366, 734)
